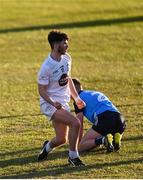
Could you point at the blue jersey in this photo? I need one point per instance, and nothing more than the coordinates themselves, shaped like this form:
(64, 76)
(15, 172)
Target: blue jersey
(96, 103)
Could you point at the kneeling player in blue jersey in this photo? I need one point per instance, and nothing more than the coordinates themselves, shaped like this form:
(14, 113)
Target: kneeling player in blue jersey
(108, 124)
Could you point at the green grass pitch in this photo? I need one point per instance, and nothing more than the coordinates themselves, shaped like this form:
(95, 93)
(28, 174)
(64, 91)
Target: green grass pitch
(106, 45)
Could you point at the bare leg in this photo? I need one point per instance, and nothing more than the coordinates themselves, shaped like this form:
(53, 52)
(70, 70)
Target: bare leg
(88, 140)
(66, 118)
(61, 131)
(62, 120)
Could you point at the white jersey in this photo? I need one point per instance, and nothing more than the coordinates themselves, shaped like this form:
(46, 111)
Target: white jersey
(55, 74)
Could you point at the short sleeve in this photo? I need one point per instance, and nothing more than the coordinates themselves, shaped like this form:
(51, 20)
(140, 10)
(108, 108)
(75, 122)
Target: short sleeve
(43, 76)
(69, 70)
(69, 62)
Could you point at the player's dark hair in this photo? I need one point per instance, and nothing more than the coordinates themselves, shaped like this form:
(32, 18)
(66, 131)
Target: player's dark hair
(76, 82)
(56, 36)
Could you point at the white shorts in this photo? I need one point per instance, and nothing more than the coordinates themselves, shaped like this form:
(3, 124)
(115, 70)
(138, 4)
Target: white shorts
(49, 110)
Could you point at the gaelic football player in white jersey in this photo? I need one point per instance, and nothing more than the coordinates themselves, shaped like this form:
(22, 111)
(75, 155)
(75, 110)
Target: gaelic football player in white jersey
(55, 87)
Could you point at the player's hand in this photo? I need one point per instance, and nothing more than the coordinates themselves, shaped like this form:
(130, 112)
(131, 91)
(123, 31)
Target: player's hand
(79, 102)
(57, 105)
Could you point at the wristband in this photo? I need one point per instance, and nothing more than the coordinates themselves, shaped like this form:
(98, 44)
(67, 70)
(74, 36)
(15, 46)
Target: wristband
(76, 98)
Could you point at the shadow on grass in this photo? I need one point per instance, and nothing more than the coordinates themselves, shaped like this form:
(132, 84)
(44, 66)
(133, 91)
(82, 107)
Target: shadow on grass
(126, 105)
(18, 161)
(133, 138)
(19, 115)
(102, 22)
(13, 153)
(40, 114)
(31, 159)
(55, 171)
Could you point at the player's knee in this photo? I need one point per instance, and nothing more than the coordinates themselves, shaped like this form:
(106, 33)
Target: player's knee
(76, 124)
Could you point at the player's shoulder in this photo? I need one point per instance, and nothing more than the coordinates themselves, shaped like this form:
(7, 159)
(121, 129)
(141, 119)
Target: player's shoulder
(67, 56)
(46, 65)
(87, 91)
(49, 62)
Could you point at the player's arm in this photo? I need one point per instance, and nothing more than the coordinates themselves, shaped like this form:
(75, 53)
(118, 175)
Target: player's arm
(80, 116)
(79, 102)
(43, 81)
(42, 91)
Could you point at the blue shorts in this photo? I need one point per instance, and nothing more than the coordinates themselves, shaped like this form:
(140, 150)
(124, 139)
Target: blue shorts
(109, 122)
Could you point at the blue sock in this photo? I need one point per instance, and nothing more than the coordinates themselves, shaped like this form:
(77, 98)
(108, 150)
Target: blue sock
(99, 140)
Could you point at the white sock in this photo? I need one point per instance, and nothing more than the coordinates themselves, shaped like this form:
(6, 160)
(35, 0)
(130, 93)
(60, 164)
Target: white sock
(73, 154)
(48, 148)
(103, 140)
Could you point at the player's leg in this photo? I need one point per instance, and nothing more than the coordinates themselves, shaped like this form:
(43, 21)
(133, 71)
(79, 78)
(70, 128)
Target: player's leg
(68, 119)
(64, 117)
(61, 132)
(117, 141)
(119, 129)
(60, 120)
(60, 129)
(88, 141)
(105, 125)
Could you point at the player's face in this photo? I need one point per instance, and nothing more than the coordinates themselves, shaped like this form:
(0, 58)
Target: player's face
(63, 46)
